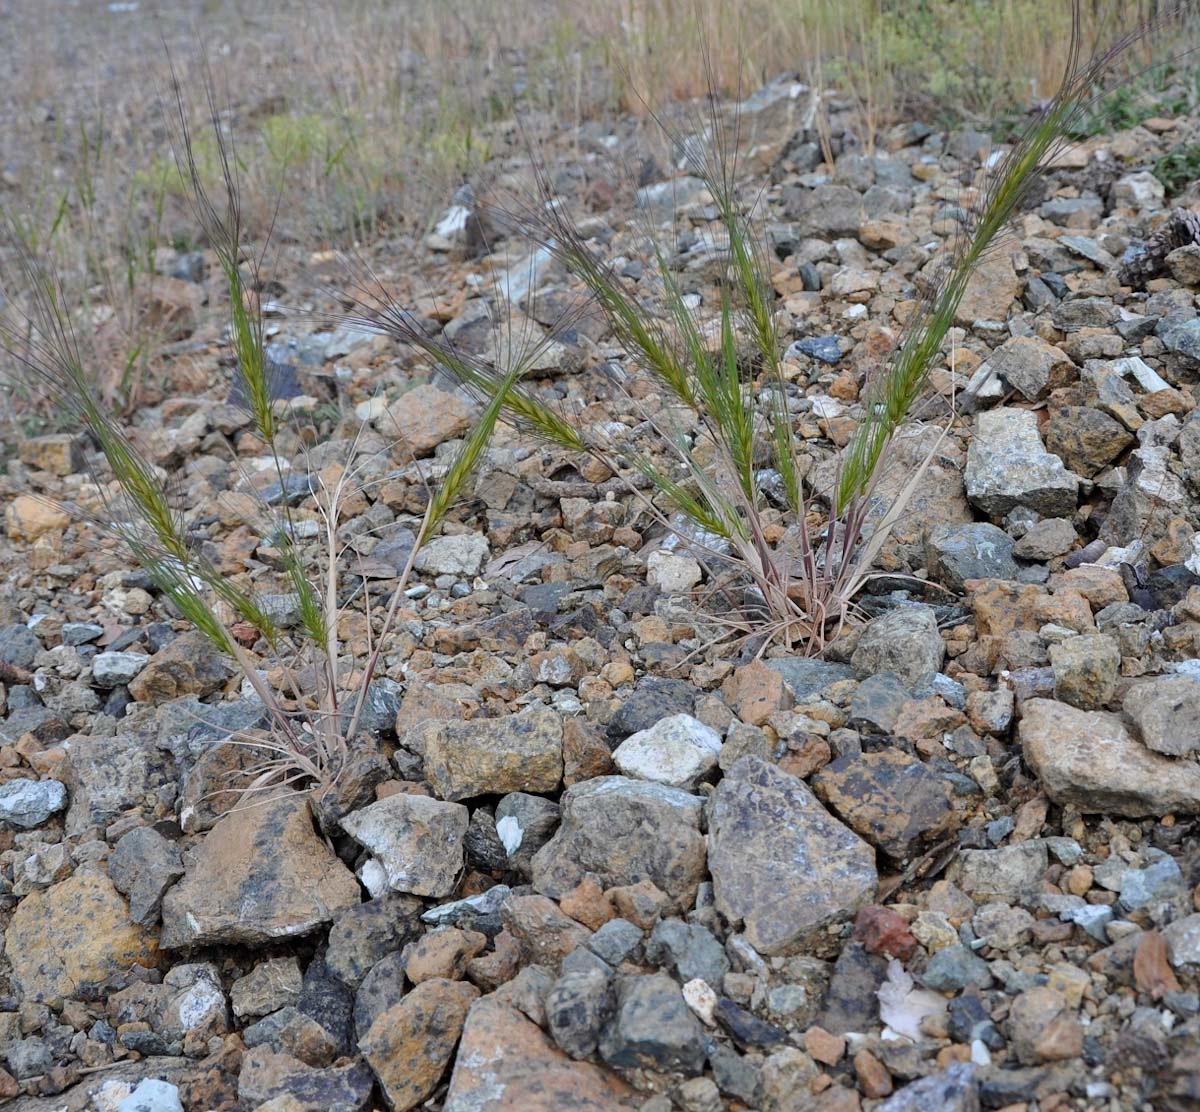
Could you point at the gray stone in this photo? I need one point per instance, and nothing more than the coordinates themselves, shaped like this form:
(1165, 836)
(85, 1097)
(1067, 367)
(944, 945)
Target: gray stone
(688, 950)
(1089, 760)
(1183, 941)
(653, 1028)
(1085, 312)
(1011, 874)
(1150, 497)
(827, 210)
(464, 554)
(678, 751)
(904, 641)
(1008, 466)
(953, 1089)
(1159, 882)
(1084, 438)
(382, 988)
(142, 866)
(267, 1074)
(673, 194)
(1031, 366)
(363, 934)
(1166, 712)
(1046, 539)
(624, 831)
(269, 986)
(655, 698)
(953, 968)
(81, 633)
(29, 803)
(524, 823)
(980, 550)
(1183, 340)
(577, 1008)
(876, 703)
(804, 676)
(850, 1003)
(781, 864)
(18, 645)
(152, 1095)
(616, 941)
(112, 669)
(416, 840)
(109, 776)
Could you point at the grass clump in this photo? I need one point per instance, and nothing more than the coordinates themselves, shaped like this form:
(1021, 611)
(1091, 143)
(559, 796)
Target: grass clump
(743, 457)
(316, 709)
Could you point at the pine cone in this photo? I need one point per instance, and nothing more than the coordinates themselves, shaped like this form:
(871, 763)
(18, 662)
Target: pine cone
(1142, 262)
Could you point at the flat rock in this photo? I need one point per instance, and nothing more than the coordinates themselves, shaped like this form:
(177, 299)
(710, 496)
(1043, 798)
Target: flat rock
(978, 550)
(1085, 439)
(781, 864)
(506, 1062)
(1008, 466)
(1088, 759)
(425, 417)
(261, 874)
(28, 803)
(268, 1075)
(889, 798)
(953, 1089)
(417, 840)
(1031, 366)
(409, 1046)
(73, 936)
(804, 676)
(624, 831)
(516, 753)
(676, 751)
(464, 554)
(111, 669)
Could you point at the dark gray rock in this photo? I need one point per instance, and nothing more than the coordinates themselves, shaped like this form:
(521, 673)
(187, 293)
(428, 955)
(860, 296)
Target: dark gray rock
(624, 831)
(956, 553)
(525, 823)
(18, 645)
(577, 1008)
(616, 941)
(876, 703)
(655, 698)
(142, 866)
(804, 676)
(850, 1001)
(382, 987)
(361, 936)
(955, 968)
(688, 950)
(653, 1028)
(107, 777)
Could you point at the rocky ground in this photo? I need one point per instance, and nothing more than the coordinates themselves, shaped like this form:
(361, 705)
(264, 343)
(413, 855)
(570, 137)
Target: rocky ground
(585, 860)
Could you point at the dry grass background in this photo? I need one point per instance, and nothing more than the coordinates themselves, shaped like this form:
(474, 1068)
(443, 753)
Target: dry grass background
(354, 120)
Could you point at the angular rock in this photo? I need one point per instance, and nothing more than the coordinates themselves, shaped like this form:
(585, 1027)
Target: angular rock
(781, 864)
(269, 986)
(261, 874)
(1043, 1028)
(887, 797)
(653, 1028)
(268, 1075)
(1088, 759)
(904, 641)
(363, 934)
(26, 804)
(1008, 466)
(516, 753)
(1031, 366)
(689, 951)
(804, 676)
(409, 1046)
(675, 751)
(991, 290)
(953, 1089)
(980, 550)
(1085, 439)
(1011, 874)
(425, 417)
(1166, 712)
(1085, 669)
(188, 665)
(109, 776)
(142, 866)
(73, 936)
(578, 1007)
(505, 1062)
(464, 554)
(544, 934)
(28, 517)
(524, 823)
(111, 669)
(624, 831)
(417, 840)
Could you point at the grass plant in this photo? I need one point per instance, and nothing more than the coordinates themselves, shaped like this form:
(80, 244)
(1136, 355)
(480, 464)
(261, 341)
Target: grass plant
(744, 453)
